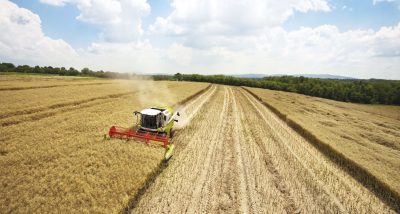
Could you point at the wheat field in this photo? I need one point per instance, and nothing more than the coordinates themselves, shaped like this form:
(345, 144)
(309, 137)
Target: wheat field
(233, 154)
(236, 156)
(369, 135)
(53, 157)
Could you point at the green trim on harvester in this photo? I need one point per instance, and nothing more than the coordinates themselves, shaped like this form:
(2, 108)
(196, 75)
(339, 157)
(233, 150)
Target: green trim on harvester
(169, 151)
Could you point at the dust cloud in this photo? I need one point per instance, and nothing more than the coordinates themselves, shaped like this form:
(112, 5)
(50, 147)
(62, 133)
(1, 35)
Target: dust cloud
(189, 110)
(150, 93)
(183, 118)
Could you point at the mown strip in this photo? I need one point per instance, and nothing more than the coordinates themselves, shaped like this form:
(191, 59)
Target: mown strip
(47, 86)
(161, 166)
(382, 190)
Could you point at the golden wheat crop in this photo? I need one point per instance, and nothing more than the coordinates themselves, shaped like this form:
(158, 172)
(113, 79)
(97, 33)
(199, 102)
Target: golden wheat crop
(52, 154)
(232, 153)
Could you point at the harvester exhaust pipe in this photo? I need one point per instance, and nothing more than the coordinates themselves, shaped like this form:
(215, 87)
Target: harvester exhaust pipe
(175, 114)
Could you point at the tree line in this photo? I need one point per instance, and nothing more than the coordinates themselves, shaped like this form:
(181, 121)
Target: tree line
(9, 67)
(372, 91)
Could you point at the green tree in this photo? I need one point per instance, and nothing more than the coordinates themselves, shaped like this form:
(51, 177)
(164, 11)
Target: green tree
(178, 76)
(86, 71)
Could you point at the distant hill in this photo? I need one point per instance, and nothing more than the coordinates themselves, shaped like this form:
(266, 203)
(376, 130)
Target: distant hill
(324, 76)
(250, 76)
(316, 76)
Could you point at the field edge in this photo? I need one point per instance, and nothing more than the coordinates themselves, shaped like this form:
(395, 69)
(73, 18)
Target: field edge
(362, 175)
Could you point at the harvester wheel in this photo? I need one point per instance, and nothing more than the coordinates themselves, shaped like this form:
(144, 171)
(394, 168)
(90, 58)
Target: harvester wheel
(171, 133)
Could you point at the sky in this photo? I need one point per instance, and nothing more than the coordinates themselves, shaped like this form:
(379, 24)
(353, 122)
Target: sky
(355, 38)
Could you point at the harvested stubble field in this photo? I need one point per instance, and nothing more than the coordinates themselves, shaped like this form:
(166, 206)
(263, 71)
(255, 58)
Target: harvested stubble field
(233, 155)
(238, 156)
(52, 154)
(367, 135)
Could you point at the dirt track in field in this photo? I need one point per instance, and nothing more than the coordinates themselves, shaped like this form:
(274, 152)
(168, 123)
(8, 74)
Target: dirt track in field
(237, 156)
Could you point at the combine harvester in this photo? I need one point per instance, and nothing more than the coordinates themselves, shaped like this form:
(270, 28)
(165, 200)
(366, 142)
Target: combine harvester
(154, 125)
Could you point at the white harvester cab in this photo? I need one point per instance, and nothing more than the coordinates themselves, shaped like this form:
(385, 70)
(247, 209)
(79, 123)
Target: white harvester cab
(157, 119)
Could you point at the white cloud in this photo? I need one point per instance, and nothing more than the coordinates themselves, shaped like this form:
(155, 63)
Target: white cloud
(210, 45)
(162, 25)
(246, 36)
(22, 39)
(54, 2)
(180, 54)
(121, 20)
(100, 11)
(324, 49)
(231, 17)
(123, 57)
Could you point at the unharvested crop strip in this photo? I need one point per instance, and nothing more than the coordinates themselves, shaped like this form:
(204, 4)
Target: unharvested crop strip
(40, 113)
(64, 107)
(149, 181)
(362, 175)
(50, 113)
(79, 102)
(47, 86)
(60, 105)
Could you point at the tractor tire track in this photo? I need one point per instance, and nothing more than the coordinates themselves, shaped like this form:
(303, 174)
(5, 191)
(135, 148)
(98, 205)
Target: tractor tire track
(254, 137)
(320, 188)
(179, 176)
(198, 202)
(237, 156)
(213, 173)
(342, 191)
(245, 196)
(270, 178)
